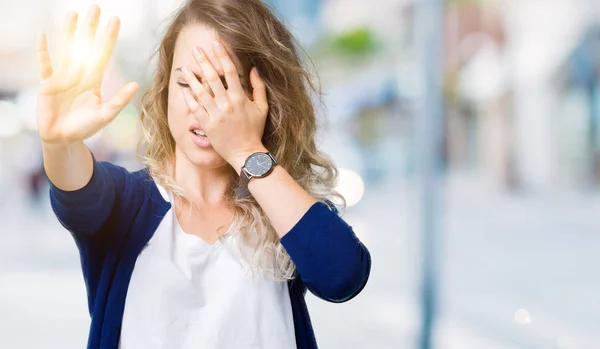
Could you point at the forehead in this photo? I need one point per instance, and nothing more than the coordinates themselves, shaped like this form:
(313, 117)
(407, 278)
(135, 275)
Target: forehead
(197, 35)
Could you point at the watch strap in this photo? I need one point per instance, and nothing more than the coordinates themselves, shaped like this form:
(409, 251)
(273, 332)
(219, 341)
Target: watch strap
(242, 190)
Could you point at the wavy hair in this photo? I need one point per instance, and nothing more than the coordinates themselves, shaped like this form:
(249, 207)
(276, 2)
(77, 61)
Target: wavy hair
(258, 39)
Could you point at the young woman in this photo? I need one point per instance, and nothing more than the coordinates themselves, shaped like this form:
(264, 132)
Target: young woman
(215, 242)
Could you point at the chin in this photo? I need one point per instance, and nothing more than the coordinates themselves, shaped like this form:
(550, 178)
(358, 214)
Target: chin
(207, 158)
(209, 161)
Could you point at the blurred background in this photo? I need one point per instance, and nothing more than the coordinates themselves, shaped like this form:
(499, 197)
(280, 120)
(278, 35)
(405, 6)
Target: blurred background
(514, 186)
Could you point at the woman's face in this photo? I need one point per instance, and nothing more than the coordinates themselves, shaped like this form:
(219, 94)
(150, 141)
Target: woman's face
(180, 118)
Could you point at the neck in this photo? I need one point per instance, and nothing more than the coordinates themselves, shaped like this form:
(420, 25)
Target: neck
(203, 185)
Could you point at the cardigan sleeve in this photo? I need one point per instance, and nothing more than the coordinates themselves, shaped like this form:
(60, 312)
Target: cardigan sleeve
(331, 261)
(84, 211)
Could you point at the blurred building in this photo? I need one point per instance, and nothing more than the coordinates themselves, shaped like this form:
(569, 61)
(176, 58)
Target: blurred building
(503, 115)
(577, 83)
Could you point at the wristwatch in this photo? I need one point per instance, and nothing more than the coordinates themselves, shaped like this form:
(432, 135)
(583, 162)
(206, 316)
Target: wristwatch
(257, 165)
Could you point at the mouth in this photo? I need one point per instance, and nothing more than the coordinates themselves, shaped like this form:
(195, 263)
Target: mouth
(199, 136)
(197, 130)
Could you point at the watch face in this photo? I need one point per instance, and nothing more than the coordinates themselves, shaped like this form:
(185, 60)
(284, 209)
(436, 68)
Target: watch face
(259, 164)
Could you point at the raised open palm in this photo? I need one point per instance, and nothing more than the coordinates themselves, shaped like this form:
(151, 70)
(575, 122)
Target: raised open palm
(70, 107)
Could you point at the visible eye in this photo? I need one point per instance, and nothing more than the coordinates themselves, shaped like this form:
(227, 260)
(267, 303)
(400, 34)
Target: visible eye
(182, 84)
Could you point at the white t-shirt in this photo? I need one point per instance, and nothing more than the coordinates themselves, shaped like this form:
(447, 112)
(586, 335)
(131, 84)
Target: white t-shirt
(185, 293)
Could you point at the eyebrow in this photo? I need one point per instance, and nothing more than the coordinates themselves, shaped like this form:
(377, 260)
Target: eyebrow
(199, 77)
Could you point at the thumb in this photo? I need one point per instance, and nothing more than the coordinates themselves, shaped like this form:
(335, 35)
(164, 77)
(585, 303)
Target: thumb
(259, 89)
(111, 108)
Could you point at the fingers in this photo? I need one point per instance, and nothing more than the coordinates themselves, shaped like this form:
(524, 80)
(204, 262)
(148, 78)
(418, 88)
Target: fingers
(196, 108)
(103, 53)
(210, 74)
(92, 19)
(234, 85)
(82, 52)
(43, 57)
(259, 90)
(199, 92)
(58, 85)
(68, 36)
(113, 107)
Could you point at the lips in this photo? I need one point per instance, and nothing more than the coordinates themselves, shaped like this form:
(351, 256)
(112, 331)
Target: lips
(195, 127)
(197, 130)
(200, 141)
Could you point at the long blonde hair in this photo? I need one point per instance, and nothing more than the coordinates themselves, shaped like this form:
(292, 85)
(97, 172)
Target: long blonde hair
(259, 39)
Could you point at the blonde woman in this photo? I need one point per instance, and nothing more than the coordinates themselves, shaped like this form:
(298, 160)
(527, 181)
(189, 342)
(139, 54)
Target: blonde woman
(214, 243)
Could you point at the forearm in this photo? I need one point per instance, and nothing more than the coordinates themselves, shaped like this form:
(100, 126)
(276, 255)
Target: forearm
(333, 263)
(68, 167)
(85, 201)
(282, 199)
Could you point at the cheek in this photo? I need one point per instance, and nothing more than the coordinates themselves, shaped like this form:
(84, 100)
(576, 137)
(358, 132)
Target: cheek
(177, 110)
(176, 101)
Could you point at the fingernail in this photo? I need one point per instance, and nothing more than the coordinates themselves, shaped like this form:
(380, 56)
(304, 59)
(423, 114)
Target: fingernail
(198, 53)
(256, 72)
(218, 47)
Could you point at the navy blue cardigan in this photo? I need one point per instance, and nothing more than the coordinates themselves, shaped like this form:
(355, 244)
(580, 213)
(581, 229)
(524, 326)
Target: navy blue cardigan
(114, 216)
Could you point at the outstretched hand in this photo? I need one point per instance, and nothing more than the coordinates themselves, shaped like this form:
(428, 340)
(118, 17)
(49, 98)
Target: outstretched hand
(70, 107)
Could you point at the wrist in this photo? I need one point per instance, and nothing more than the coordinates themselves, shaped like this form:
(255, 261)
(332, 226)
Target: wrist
(62, 147)
(238, 161)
